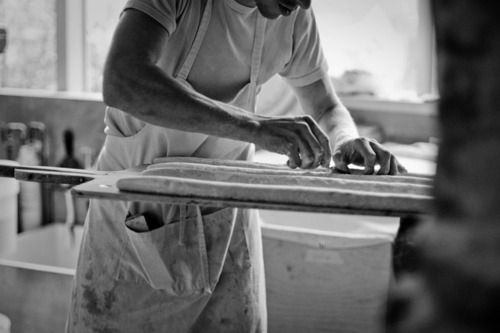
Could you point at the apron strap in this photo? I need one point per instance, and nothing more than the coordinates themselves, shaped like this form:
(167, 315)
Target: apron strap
(200, 35)
(258, 48)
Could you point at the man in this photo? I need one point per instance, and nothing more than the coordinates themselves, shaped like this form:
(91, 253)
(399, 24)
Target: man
(181, 79)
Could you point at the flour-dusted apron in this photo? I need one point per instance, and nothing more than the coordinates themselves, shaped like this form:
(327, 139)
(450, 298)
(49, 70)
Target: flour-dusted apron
(148, 267)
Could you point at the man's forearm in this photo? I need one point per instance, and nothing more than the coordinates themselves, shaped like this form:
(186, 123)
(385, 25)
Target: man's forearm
(162, 101)
(338, 124)
(319, 100)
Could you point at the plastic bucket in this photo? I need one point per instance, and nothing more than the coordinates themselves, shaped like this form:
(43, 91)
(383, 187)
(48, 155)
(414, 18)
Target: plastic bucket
(4, 324)
(9, 189)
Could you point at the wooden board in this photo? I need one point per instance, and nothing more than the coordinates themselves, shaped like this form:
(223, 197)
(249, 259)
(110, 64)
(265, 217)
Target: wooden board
(194, 192)
(105, 188)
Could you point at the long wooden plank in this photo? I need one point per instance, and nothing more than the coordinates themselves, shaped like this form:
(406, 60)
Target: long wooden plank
(105, 188)
(328, 201)
(220, 183)
(291, 195)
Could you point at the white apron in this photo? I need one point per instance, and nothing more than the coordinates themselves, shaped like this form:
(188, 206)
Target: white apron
(196, 269)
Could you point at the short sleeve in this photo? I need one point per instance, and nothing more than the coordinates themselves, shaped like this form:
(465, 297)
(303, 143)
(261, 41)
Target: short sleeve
(307, 63)
(165, 12)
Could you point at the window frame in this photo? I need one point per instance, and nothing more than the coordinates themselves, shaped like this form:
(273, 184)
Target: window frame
(72, 52)
(428, 56)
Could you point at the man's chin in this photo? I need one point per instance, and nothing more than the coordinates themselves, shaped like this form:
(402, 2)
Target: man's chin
(267, 12)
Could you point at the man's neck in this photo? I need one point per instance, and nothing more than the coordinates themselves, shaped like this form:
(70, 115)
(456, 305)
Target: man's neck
(247, 3)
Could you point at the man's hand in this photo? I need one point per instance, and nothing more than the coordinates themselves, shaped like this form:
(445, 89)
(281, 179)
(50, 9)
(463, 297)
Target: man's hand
(300, 138)
(368, 153)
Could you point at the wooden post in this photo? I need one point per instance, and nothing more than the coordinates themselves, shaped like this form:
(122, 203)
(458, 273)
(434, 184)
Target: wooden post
(457, 288)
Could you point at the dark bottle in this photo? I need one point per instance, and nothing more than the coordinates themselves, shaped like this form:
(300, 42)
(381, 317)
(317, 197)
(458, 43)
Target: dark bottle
(69, 160)
(37, 137)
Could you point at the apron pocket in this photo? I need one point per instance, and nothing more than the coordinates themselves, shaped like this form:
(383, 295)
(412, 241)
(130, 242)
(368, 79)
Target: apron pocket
(184, 258)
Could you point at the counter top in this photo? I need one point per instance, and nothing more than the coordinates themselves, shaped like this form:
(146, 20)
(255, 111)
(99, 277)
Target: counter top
(52, 248)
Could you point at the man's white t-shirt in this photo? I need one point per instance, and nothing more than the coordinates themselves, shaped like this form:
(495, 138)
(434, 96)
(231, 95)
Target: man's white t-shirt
(292, 48)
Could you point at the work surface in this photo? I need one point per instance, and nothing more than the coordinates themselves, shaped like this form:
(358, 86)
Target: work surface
(220, 183)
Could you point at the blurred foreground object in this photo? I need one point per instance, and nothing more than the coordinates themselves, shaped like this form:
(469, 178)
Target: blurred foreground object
(457, 287)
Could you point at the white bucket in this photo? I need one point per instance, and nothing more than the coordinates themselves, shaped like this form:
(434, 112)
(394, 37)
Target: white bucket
(9, 189)
(4, 324)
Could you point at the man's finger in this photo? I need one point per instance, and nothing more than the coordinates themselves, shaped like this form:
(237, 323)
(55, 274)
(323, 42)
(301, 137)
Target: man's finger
(310, 150)
(306, 158)
(401, 168)
(363, 148)
(340, 162)
(383, 158)
(394, 166)
(323, 140)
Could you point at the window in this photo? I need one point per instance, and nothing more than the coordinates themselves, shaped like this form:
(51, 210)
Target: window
(67, 47)
(101, 19)
(390, 39)
(30, 25)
